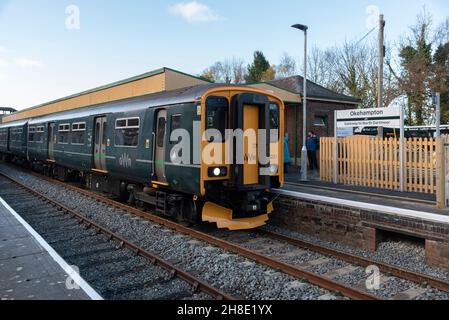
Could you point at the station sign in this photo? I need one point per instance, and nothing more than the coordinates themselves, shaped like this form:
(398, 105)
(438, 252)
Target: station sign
(378, 117)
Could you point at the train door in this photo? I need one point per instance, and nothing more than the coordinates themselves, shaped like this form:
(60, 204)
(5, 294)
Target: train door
(251, 162)
(51, 141)
(159, 150)
(100, 144)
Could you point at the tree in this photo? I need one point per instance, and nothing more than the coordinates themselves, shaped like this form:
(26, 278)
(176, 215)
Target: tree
(260, 69)
(416, 71)
(227, 71)
(351, 69)
(441, 79)
(286, 67)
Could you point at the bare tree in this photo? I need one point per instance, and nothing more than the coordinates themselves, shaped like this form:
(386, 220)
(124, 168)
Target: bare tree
(226, 71)
(286, 67)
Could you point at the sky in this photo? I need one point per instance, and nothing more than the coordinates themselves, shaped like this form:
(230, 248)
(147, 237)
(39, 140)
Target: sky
(52, 48)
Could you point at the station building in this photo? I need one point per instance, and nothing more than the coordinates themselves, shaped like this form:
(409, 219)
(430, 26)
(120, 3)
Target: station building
(322, 102)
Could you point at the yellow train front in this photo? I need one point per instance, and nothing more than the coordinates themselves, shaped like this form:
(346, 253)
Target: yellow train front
(242, 156)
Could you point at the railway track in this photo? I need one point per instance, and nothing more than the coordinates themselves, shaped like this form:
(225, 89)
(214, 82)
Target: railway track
(325, 281)
(294, 271)
(115, 267)
(335, 264)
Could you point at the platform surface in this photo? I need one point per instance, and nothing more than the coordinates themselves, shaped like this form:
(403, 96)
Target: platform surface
(420, 202)
(29, 270)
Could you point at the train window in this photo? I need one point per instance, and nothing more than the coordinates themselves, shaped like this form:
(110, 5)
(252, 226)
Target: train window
(161, 132)
(274, 121)
(3, 135)
(97, 134)
(64, 133)
(31, 134)
(176, 122)
(217, 115)
(78, 133)
(127, 132)
(39, 135)
(175, 125)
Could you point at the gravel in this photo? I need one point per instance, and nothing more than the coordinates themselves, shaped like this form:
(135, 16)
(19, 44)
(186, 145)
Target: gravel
(399, 253)
(231, 273)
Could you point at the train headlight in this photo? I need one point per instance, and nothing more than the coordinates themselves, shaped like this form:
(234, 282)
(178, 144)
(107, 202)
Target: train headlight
(216, 172)
(274, 169)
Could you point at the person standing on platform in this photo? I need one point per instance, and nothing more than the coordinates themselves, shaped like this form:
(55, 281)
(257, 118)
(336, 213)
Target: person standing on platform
(313, 144)
(287, 158)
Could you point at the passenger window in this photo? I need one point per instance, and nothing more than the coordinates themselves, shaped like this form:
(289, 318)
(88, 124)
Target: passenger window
(31, 134)
(217, 115)
(39, 135)
(161, 132)
(274, 121)
(78, 133)
(105, 130)
(64, 133)
(97, 134)
(126, 132)
(175, 125)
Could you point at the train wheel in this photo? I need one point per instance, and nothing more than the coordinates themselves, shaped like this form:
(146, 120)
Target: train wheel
(188, 212)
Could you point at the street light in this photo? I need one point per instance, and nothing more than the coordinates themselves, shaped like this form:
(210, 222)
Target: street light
(304, 125)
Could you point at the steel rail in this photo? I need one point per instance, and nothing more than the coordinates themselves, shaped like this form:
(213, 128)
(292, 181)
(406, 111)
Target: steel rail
(291, 270)
(419, 278)
(197, 284)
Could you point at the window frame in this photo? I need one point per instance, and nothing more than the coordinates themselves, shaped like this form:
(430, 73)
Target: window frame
(126, 127)
(31, 130)
(77, 130)
(323, 118)
(226, 120)
(171, 126)
(40, 130)
(64, 130)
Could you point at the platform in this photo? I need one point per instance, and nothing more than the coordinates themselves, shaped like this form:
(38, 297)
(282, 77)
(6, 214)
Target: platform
(30, 269)
(361, 217)
(404, 200)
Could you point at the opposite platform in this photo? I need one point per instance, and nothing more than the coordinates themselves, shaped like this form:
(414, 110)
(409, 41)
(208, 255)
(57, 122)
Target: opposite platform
(30, 269)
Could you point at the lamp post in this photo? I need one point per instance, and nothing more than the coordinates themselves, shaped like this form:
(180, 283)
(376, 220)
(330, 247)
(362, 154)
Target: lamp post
(304, 165)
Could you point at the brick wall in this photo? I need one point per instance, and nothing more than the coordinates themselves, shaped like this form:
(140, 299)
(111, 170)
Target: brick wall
(359, 228)
(315, 109)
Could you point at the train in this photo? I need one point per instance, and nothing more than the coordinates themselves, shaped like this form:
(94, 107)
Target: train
(409, 132)
(129, 148)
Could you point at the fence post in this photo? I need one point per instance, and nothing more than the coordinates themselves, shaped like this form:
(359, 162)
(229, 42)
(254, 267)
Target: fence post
(335, 148)
(441, 173)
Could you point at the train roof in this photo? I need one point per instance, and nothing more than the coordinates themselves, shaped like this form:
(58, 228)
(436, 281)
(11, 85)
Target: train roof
(166, 98)
(18, 123)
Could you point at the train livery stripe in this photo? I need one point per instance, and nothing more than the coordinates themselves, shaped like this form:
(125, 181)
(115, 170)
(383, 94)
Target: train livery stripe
(171, 164)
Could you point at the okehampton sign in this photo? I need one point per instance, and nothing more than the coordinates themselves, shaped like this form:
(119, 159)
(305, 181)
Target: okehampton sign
(392, 117)
(379, 117)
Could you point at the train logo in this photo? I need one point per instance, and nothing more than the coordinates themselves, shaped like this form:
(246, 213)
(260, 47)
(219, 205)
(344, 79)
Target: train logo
(125, 161)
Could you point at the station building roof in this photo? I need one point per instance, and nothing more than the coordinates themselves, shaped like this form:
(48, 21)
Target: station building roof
(164, 79)
(291, 90)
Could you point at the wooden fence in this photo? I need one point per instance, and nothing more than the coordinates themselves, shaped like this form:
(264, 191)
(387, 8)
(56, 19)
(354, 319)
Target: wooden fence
(375, 162)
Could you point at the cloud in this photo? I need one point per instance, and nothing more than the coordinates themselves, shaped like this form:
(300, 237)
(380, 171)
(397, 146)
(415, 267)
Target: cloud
(3, 63)
(194, 12)
(28, 63)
